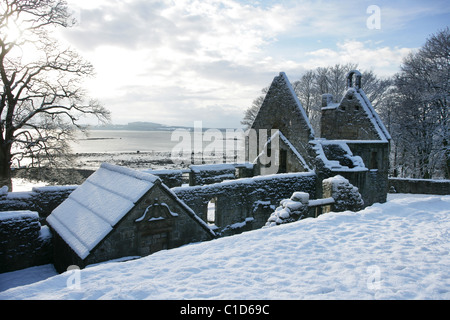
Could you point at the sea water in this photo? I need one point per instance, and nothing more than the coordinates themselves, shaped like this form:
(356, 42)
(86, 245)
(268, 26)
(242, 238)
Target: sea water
(124, 141)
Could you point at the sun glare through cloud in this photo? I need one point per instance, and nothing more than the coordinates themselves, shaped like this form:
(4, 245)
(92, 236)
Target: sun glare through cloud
(173, 55)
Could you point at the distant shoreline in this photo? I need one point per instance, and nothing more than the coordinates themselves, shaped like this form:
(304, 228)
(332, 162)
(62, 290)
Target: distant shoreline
(87, 163)
(148, 126)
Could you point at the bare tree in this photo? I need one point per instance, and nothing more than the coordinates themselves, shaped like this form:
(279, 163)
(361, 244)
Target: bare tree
(250, 113)
(306, 91)
(332, 79)
(42, 101)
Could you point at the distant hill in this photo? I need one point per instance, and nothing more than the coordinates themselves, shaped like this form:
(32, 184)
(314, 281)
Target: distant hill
(138, 126)
(144, 126)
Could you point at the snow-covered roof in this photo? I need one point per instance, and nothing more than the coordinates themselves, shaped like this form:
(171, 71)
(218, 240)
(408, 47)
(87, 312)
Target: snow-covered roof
(96, 206)
(279, 134)
(379, 126)
(297, 101)
(335, 165)
(281, 88)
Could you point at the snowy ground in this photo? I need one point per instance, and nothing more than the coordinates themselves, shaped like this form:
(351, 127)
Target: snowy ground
(396, 250)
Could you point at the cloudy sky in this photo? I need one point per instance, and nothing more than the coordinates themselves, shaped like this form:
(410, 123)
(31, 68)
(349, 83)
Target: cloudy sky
(179, 61)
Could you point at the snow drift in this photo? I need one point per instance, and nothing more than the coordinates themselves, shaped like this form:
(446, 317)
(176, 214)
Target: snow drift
(396, 250)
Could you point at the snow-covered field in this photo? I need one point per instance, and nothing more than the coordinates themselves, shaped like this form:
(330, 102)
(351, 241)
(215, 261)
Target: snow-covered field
(396, 250)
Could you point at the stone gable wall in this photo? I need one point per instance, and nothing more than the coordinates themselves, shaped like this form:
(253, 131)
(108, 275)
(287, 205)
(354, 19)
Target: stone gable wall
(23, 242)
(245, 200)
(281, 111)
(347, 121)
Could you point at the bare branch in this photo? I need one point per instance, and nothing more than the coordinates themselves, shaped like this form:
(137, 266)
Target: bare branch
(42, 101)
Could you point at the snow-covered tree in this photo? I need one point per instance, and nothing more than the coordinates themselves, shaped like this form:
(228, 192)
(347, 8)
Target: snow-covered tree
(314, 83)
(420, 123)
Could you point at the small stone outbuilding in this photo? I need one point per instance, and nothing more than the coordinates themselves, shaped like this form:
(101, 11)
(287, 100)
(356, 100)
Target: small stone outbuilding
(119, 212)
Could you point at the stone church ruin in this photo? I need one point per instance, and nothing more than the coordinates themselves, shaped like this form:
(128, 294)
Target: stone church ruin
(289, 173)
(354, 142)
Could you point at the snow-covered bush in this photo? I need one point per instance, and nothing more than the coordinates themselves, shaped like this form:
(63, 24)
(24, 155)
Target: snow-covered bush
(290, 210)
(345, 195)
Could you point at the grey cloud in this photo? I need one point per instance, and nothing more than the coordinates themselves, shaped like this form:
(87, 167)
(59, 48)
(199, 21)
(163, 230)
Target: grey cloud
(134, 26)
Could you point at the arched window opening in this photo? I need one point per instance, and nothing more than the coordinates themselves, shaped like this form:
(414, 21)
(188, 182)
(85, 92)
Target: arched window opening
(211, 211)
(357, 79)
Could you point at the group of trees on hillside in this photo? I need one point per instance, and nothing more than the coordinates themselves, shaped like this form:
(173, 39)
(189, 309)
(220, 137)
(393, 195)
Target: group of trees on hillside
(413, 105)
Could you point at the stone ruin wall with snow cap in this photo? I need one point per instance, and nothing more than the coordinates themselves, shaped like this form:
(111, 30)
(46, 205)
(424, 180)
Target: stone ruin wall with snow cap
(354, 124)
(23, 241)
(345, 195)
(350, 112)
(40, 199)
(247, 201)
(354, 118)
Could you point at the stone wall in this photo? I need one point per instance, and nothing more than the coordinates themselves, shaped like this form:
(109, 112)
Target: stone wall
(353, 120)
(282, 110)
(171, 178)
(198, 175)
(345, 195)
(419, 186)
(216, 173)
(247, 202)
(23, 242)
(41, 199)
(240, 205)
(209, 174)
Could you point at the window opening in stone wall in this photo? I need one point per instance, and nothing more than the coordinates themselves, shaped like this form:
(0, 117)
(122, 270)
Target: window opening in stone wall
(211, 213)
(374, 160)
(283, 161)
(185, 178)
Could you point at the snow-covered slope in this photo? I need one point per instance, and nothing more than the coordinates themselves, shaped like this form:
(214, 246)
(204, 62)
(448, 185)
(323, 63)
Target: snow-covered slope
(396, 250)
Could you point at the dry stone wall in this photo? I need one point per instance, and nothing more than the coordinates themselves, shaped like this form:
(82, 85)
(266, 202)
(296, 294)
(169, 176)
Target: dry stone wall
(23, 241)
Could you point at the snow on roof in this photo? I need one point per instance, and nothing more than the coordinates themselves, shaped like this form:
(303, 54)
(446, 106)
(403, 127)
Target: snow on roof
(383, 133)
(289, 145)
(297, 101)
(96, 206)
(335, 165)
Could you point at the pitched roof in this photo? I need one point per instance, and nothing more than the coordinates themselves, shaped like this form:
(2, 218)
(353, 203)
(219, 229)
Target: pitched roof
(281, 98)
(281, 109)
(299, 157)
(96, 206)
(297, 101)
(373, 115)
